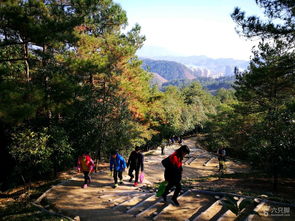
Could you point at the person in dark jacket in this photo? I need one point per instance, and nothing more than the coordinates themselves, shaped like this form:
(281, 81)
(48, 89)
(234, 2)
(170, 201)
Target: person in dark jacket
(119, 164)
(180, 140)
(173, 172)
(135, 162)
(221, 158)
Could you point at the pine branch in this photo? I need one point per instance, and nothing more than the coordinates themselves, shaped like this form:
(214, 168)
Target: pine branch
(8, 43)
(12, 60)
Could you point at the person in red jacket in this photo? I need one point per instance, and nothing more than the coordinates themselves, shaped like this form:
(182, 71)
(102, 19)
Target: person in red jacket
(173, 172)
(85, 165)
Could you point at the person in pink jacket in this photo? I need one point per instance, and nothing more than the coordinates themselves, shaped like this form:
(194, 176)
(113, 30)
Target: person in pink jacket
(85, 165)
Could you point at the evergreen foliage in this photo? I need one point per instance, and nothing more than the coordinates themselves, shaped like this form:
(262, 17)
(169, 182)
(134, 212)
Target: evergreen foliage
(70, 82)
(210, 84)
(259, 123)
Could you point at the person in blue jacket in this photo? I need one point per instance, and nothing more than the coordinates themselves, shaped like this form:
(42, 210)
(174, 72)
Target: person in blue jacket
(117, 163)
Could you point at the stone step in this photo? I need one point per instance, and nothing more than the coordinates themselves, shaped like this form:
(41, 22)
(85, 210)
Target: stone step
(193, 154)
(228, 215)
(199, 160)
(211, 211)
(141, 206)
(117, 193)
(256, 209)
(197, 205)
(153, 209)
(189, 204)
(115, 201)
(131, 201)
(210, 162)
(190, 160)
(170, 207)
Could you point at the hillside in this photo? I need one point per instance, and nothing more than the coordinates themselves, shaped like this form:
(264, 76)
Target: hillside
(158, 79)
(211, 84)
(208, 67)
(172, 73)
(169, 70)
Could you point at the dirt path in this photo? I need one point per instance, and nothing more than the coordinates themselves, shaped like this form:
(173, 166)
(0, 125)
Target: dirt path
(101, 202)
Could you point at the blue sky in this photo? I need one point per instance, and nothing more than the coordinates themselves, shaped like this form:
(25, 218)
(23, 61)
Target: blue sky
(191, 27)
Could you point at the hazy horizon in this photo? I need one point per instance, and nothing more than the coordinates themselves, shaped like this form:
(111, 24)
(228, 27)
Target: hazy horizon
(158, 52)
(190, 27)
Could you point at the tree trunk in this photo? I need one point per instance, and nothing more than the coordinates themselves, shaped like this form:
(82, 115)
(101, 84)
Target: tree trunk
(23, 179)
(98, 153)
(91, 79)
(46, 82)
(102, 120)
(275, 178)
(26, 52)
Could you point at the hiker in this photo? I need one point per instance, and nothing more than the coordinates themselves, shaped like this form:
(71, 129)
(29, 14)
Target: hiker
(135, 162)
(174, 138)
(221, 157)
(163, 144)
(85, 165)
(173, 172)
(180, 140)
(170, 141)
(117, 163)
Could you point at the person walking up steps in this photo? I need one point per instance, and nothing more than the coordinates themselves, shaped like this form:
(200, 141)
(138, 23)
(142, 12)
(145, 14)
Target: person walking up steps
(118, 163)
(173, 172)
(85, 165)
(221, 158)
(135, 162)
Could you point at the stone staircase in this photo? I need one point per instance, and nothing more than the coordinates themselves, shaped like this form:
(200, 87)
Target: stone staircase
(195, 205)
(101, 202)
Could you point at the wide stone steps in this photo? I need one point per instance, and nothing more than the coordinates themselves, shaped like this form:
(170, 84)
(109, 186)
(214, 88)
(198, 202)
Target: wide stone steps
(194, 206)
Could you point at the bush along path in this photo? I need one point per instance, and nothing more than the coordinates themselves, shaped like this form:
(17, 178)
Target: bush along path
(101, 202)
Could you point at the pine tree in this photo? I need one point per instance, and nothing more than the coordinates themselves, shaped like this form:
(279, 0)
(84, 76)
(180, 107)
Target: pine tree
(267, 88)
(279, 23)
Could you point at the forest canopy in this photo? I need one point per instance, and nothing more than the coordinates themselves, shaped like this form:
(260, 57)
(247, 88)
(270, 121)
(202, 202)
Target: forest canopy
(70, 83)
(260, 124)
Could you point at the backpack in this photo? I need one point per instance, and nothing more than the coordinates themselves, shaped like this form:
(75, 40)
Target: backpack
(166, 162)
(86, 163)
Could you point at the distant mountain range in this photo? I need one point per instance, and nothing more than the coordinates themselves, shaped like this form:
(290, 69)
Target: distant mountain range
(168, 70)
(195, 66)
(179, 71)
